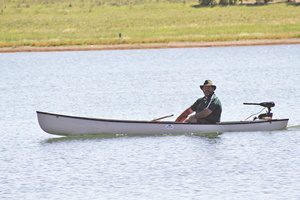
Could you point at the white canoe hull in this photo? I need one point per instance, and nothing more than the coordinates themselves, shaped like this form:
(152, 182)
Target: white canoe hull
(71, 126)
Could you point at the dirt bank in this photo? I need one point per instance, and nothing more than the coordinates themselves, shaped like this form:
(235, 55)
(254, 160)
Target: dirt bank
(151, 45)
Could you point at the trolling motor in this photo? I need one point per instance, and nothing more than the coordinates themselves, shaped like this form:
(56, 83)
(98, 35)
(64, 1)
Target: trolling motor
(268, 105)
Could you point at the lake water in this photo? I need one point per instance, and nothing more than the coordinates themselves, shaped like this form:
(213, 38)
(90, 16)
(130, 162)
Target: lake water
(143, 85)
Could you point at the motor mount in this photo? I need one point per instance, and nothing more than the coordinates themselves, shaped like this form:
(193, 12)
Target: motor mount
(268, 105)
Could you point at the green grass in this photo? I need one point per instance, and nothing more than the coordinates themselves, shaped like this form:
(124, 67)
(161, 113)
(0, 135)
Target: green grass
(81, 22)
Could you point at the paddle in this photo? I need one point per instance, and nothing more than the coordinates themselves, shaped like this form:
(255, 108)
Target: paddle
(153, 120)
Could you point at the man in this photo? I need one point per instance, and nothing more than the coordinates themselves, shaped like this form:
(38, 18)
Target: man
(208, 108)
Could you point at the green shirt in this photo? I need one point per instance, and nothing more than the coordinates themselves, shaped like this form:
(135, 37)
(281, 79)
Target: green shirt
(212, 103)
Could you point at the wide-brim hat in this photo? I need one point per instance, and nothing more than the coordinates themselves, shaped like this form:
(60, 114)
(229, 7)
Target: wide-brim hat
(208, 83)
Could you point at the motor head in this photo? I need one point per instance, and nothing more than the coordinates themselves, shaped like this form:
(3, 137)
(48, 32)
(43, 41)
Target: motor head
(268, 104)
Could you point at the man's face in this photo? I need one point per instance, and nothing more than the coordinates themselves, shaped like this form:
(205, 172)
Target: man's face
(207, 90)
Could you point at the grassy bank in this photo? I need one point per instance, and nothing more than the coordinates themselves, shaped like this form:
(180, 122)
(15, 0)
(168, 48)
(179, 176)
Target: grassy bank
(83, 22)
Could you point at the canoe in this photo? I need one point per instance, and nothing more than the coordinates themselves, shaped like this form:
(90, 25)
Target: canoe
(66, 125)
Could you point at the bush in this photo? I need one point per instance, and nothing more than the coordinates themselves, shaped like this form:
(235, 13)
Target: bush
(215, 2)
(228, 2)
(207, 2)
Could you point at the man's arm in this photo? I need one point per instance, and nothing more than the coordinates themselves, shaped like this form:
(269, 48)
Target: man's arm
(184, 115)
(203, 114)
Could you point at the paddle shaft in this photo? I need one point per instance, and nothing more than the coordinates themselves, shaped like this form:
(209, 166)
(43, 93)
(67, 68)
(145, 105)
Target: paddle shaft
(162, 117)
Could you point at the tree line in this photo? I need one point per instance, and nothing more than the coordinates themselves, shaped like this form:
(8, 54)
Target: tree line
(239, 2)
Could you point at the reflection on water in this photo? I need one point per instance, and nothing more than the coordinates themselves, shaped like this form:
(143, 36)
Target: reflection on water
(83, 137)
(211, 135)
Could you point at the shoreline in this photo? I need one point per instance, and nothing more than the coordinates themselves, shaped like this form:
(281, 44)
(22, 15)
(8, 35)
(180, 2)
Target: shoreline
(151, 45)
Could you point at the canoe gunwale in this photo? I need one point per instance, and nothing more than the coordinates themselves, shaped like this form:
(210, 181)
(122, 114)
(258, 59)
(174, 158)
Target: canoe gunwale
(161, 122)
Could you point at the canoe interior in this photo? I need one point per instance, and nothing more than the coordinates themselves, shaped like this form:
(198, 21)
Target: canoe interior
(158, 122)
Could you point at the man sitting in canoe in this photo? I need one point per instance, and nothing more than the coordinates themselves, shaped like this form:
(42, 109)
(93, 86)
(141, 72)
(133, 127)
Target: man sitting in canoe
(208, 108)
